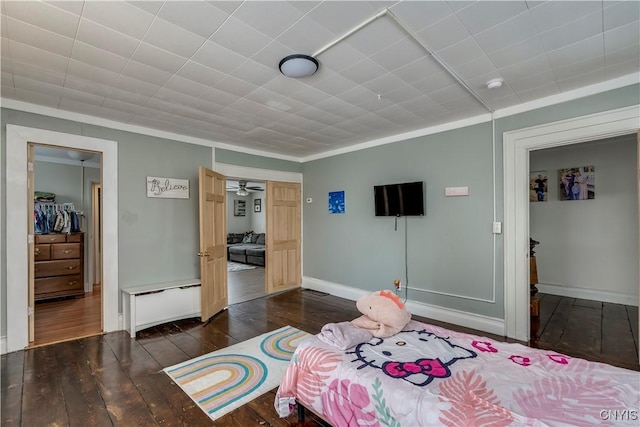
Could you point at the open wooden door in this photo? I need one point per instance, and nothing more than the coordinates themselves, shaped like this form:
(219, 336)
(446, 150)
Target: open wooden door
(283, 270)
(213, 242)
(638, 190)
(31, 240)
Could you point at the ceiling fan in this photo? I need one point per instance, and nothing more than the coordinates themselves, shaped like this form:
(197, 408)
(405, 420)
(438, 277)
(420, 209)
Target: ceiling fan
(243, 188)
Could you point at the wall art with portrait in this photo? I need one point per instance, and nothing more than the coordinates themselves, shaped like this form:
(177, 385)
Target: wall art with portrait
(577, 183)
(538, 186)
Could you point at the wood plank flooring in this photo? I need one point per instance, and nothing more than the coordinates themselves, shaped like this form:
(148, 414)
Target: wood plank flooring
(245, 285)
(588, 329)
(113, 380)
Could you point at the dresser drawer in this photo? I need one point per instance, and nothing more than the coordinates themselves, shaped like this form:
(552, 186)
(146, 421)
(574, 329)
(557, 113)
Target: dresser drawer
(75, 238)
(42, 252)
(58, 284)
(65, 251)
(57, 268)
(50, 238)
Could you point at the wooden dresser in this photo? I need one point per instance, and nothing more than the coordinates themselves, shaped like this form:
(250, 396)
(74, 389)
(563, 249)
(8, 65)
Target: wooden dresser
(59, 265)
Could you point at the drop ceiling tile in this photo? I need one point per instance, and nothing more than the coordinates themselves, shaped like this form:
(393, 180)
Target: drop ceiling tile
(340, 17)
(631, 53)
(219, 97)
(581, 51)
(24, 83)
(239, 37)
(200, 74)
(206, 106)
(235, 86)
(517, 52)
(44, 16)
(158, 58)
(83, 108)
(572, 32)
(145, 73)
(418, 15)
(195, 16)
(434, 82)
(7, 79)
(305, 36)
(91, 73)
(37, 57)
(476, 67)
(40, 74)
(168, 36)
(620, 14)
(537, 64)
(38, 98)
(3, 28)
(98, 57)
(171, 96)
(340, 57)
(150, 6)
(185, 86)
(287, 86)
(483, 15)
(269, 17)
(418, 70)
(553, 14)
(37, 37)
(568, 71)
(226, 6)
(80, 96)
(105, 38)
(588, 78)
(217, 57)
(443, 34)
(376, 36)
(457, 5)
(364, 71)
(450, 93)
(255, 73)
(528, 82)
(622, 37)
(384, 84)
(496, 104)
(88, 86)
(74, 7)
(461, 53)
(119, 16)
(271, 54)
(8, 92)
(335, 85)
(621, 69)
(517, 29)
(538, 92)
(399, 54)
(136, 86)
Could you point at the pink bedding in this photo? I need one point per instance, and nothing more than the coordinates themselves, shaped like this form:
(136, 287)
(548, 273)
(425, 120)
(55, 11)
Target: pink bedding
(431, 376)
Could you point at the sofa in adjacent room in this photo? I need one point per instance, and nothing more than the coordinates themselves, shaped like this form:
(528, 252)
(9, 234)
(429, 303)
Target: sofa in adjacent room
(247, 248)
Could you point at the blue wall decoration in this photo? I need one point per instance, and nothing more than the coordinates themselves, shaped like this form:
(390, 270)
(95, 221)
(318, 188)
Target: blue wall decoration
(336, 202)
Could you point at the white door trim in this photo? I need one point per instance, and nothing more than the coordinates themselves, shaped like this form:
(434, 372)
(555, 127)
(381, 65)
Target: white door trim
(17, 247)
(516, 147)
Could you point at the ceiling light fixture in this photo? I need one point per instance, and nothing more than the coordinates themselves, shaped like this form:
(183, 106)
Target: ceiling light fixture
(298, 66)
(242, 189)
(80, 155)
(494, 84)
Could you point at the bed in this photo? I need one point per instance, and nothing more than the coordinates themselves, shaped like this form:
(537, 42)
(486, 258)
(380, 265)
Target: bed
(431, 376)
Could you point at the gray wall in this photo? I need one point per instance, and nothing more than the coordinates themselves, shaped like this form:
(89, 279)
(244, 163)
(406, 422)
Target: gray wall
(591, 244)
(250, 160)
(238, 224)
(63, 180)
(258, 223)
(450, 250)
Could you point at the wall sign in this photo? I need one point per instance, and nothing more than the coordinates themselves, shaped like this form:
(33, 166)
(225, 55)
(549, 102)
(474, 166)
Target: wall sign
(167, 188)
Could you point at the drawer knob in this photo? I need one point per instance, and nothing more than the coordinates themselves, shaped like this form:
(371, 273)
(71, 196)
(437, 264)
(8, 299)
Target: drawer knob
(71, 267)
(36, 251)
(67, 251)
(71, 282)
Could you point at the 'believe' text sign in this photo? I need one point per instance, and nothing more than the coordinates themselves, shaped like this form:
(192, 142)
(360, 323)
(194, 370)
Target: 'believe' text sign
(167, 188)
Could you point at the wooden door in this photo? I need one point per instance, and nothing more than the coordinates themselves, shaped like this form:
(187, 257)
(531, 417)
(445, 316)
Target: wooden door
(31, 241)
(213, 242)
(283, 270)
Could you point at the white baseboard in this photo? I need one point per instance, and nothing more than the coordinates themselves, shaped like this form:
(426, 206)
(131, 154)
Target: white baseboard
(443, 314)
(3, 345)
(590, 294)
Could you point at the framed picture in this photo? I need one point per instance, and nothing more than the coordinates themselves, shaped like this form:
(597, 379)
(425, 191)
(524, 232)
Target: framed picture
(577, 183)
(538, 186)
(239, 208)
(257, 205)
(336, 202)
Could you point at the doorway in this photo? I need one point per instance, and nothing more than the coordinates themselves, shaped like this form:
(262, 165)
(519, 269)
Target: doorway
(18, 241)
(246, 239)
(67, 298)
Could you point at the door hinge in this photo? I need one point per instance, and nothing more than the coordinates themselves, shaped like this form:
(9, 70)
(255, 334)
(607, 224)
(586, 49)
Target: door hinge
(30, 311)
(29, 238)
(30, 166)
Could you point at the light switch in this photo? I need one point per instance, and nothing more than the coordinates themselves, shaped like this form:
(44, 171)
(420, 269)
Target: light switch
(456, 191)
(497, 228)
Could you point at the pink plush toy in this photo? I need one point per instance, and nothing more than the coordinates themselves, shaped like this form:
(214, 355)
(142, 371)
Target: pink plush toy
(383, 314)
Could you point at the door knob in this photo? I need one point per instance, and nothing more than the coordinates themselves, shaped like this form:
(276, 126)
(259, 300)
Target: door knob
(203, 254)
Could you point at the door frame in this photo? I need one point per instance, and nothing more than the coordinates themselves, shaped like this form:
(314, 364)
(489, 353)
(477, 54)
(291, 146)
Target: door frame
(257, 174)
(17, 138)
(95, 238)
(516, 147)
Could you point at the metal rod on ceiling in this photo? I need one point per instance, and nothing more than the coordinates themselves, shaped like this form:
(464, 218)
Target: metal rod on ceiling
(407, 30)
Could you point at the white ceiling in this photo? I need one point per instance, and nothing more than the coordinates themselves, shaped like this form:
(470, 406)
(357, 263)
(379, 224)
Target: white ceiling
(210, 69)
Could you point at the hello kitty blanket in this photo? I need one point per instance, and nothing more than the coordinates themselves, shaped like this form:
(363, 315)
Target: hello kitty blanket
(431, 376)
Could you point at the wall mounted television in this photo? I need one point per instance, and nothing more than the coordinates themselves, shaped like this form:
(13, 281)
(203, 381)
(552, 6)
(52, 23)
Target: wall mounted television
(405, 199)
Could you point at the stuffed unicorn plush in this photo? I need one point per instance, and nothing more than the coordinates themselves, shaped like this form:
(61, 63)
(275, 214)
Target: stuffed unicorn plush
(383, 314)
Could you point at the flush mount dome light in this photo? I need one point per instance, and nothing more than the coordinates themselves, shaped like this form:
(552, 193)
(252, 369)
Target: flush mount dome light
(298, 66)
(495, 83)
(80, 155)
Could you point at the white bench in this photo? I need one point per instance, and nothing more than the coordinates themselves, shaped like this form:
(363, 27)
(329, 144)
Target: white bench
(149, 305)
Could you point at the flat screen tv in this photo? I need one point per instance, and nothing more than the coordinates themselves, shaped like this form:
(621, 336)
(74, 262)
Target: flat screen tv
(406, 199)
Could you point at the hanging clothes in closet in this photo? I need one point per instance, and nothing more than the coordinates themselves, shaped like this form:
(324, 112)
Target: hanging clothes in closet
(55, 218)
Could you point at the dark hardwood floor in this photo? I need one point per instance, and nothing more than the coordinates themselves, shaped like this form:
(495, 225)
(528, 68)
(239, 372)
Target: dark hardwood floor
(245, 285)
(588, 329)
(112, 380)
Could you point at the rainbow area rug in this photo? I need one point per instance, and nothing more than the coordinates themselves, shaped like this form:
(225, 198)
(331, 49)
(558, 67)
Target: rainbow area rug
(226, 379)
